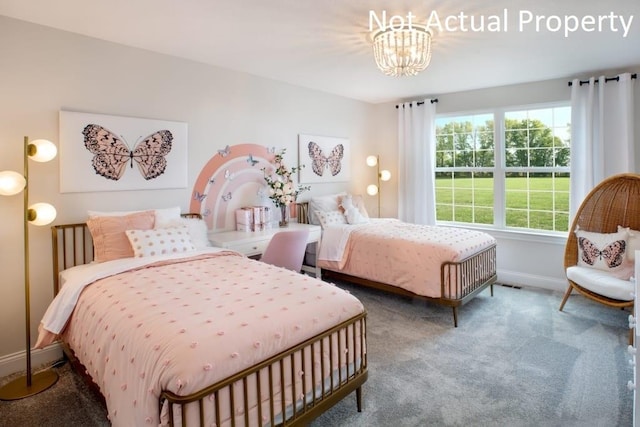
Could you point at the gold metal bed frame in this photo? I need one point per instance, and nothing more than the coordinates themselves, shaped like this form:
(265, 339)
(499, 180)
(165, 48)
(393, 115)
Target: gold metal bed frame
(72, 245)
(459, 281)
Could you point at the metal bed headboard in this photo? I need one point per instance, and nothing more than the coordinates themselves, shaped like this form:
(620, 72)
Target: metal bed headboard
(72, 245)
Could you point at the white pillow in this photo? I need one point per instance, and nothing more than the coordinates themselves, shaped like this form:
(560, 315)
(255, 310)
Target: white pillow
(197, 230)
(330, 218)
(323, 204)
(604, 251)
(358, 202)
(351, 212)
(163, 216)
(160, 241)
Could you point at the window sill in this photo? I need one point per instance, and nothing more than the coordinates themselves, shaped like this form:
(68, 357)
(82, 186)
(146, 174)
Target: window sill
(554, 238)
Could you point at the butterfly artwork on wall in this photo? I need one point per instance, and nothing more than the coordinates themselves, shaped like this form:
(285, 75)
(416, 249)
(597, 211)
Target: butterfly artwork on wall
(227, 175)
(323, 159)
(321, 162)
(198, 196)
(101, 152)
(251, 160)
(225, 152)
(226, 197)
(112, 154)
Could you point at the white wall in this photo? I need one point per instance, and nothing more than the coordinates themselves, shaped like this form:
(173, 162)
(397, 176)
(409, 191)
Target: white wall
(45, 70)
(523, 259)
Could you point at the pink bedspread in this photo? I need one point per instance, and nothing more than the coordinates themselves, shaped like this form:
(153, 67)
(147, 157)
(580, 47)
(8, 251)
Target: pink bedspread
(183, 325)
(406, 255)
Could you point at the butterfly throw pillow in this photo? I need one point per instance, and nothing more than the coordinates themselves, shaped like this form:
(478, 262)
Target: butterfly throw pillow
(604, 251)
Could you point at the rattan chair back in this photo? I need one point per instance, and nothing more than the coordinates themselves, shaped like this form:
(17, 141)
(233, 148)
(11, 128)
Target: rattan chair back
(613, 202)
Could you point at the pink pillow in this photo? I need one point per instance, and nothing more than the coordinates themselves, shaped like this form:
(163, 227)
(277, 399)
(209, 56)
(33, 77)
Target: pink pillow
(108, 232)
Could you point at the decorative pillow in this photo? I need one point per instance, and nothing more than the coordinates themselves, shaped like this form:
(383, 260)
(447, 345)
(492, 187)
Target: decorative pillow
(633, 244)
(163, 216)
(197, 230)
(358, 202)
(604, 251)
(323, 204)
(330, 218)
(108, 232)
(351, 212)
(160, 241)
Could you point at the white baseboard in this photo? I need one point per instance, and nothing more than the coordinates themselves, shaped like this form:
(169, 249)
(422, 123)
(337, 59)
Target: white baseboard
(17, 362)
(520, 279)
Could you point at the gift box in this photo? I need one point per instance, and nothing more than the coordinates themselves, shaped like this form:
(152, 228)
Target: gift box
(244, 219)
(253, 218)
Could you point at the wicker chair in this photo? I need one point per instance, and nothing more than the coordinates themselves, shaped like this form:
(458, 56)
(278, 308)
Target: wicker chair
(613, 202)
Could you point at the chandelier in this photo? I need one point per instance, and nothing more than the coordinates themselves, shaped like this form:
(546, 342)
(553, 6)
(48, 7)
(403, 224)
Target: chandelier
(402, 51)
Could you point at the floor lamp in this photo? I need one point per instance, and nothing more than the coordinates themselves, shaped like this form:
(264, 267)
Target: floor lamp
(12, 183)
(383, 175)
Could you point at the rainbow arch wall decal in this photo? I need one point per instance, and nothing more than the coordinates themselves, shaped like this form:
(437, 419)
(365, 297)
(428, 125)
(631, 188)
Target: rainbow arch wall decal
(223, 176)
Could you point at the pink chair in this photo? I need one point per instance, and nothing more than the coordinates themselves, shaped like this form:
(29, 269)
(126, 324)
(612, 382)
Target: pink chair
(286, 249)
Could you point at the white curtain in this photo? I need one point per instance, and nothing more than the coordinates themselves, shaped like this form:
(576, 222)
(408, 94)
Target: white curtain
(416, 162)
(601, 133)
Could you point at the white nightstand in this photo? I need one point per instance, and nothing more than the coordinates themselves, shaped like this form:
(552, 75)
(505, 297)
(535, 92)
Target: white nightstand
(253, 243)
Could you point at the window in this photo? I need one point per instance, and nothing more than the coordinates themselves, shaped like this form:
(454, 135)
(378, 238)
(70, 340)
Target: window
(513, 175)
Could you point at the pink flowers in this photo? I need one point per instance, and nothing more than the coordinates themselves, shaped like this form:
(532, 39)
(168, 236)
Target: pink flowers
(282, 189)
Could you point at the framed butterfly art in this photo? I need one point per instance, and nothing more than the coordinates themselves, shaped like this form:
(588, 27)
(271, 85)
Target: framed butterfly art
(111, 153)
(325, 159)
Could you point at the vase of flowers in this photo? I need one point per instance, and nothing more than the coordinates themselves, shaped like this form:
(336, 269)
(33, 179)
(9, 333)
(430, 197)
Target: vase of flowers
(282, 188)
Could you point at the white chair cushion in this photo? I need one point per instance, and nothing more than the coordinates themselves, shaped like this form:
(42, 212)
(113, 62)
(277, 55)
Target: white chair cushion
(602, 282)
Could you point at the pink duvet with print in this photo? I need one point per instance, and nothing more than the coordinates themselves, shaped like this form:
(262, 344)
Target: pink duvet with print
(183, 325)
(406, 255)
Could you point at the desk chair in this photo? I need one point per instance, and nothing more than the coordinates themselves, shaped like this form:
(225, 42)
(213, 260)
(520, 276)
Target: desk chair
(286, 249)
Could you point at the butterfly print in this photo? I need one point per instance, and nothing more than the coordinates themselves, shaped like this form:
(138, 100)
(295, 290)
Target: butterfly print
(320, 162)
(206, 212)
(111, 153)
(225, 152)
(227, 175)
(226, 197)
(271, 150)
(612, 254)
(251, 161)
(212, 180)
(198, 196)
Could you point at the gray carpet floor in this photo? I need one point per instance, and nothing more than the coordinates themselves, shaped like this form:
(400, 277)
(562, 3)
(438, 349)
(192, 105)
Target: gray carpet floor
(514, 360)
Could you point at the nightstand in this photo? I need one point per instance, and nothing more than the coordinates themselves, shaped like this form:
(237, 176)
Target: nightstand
(253, 243)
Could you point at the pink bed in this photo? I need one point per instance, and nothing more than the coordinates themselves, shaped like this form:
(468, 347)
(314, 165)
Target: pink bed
(444, 264)
(208, 337)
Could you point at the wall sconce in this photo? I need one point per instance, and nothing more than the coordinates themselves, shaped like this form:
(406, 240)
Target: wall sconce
(12, 183)
(383, 175)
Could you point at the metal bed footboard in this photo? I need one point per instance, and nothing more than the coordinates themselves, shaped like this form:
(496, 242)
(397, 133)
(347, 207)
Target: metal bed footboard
(462, 280)
(234, 401)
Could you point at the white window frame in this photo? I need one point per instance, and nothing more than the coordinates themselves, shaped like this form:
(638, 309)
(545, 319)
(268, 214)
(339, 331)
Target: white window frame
(500, 169)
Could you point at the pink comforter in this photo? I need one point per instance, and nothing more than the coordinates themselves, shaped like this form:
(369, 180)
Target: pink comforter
(183, 325)
(405, 255)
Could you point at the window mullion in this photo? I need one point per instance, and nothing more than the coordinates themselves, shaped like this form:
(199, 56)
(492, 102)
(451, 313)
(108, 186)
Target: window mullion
(499, 203)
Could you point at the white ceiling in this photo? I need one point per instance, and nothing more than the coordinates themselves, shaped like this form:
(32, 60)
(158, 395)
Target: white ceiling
(325, 45)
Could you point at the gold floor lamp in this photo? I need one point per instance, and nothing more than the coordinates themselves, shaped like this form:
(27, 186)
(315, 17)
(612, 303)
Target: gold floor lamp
(12, 183)
(383, 175)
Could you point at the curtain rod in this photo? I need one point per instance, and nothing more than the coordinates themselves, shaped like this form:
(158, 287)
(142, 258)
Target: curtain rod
(607, 79)
(433, 101)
